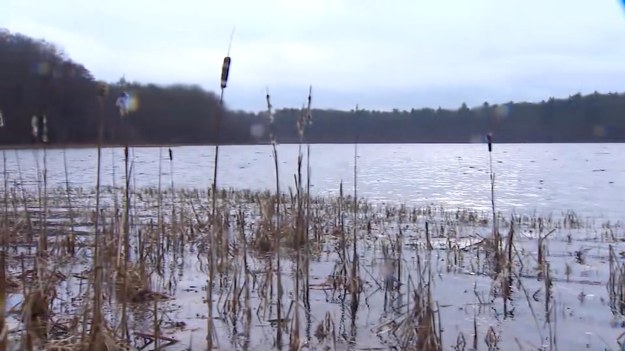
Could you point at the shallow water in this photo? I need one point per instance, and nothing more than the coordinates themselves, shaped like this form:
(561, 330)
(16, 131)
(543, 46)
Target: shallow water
(544, 178)
(548, 178)
(464, 291)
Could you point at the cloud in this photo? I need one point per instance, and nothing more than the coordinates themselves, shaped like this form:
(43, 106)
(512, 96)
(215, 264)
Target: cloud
(383, 54)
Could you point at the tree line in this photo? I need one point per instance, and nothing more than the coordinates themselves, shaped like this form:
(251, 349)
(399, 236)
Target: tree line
(36, 79)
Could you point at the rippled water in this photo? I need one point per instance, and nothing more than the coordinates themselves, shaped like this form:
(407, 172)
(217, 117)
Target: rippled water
(548, 178)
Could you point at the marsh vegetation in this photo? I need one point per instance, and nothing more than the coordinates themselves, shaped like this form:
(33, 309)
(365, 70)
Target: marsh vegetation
(298, 271)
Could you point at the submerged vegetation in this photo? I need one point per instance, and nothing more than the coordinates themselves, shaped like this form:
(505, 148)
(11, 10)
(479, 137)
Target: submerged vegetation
(366, 276)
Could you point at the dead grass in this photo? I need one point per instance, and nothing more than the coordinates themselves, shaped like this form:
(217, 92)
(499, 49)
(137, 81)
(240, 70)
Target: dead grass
(57, 286)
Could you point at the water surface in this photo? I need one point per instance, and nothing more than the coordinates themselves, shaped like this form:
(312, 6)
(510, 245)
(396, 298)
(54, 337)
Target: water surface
(548, 178)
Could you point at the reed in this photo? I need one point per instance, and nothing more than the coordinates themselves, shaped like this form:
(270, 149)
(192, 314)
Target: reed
(277, 230)
(616, 284)
(354, 286)
(96, 324)
(3, 254)
(252, 271)
(496, 236)
(216, 230)
(122, 102)
(172, 187)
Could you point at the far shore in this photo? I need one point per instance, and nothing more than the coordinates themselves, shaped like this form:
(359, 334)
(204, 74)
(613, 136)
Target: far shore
(152, 145)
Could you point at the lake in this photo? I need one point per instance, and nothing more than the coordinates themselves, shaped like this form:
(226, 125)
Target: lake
(563, 284)
(547, 178)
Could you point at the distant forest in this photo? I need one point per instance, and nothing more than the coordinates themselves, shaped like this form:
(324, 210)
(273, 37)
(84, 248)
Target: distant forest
(37, 78)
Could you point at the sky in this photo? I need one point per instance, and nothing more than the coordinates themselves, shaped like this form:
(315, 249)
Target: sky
(375, 54)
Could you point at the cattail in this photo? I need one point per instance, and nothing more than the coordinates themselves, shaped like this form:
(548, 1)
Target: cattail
(489, 138)
(270, 118)
(1, 120)
(308, 111)
(171, 155)
(269, 108)
(305, 118)
(225, 71)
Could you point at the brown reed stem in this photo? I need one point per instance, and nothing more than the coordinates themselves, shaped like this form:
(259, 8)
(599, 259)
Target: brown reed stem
(29, 222)
(97, 286)
(212, 243)
(39, 200)
(307, 222)
(126, 238)
(69, 197)
(3, 252)
(3, 296)
(44, 224)
(114, 183)
(157, 329)
(496, 236)
(277, 248)
(161, 225)
(427, 236)
(277, 233)
(215, 225)
(307, 234)
(354, 276)
(507, 278)
(5, 187)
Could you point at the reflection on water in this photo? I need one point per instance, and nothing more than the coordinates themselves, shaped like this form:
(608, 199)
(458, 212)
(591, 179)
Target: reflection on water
(586, 178)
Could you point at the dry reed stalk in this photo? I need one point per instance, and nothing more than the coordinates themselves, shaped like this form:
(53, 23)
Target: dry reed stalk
(612, 280)
(161, 225)
(294, 343)
(616, 284)
(215, 225)
(29, 222)
(173, 192)
(126, 217)
(399, 245)
(114, 183)
(277, 232)
(542, 247)
(3, 252)
(3, 295)
(5, 187)
(355, 280)
(39, 244)
(548, 306)
(247, 312)
(506, 279)
(419, 329)
(496, 237)
(44, 230)
(72, 233)
(301, 229)
(97, 279)
(307, 222)
(427, 236)
(156, 325)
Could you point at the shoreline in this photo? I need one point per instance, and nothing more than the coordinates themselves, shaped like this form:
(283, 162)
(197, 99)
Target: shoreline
(168, 145)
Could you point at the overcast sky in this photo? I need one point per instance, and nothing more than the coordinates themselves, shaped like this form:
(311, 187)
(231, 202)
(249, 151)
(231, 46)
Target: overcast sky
(378, 54)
